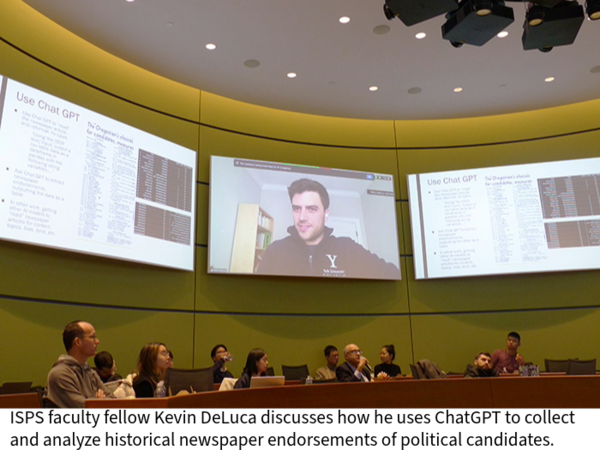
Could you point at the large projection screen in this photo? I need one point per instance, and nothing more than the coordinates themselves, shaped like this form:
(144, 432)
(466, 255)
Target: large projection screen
(541, 217)
(75, 180)
(256, 228)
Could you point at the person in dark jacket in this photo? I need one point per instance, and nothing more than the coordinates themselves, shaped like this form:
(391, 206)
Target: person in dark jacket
(151, 369)
(220, 356)
(312, 250)
(481, 367)
(257, 364)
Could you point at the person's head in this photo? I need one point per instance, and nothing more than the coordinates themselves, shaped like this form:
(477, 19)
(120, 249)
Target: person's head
(513, 341)
(483, 361)
(352, 354)
(153, 361)
(80, 340)
(332, 355)
(170, 358)
(105, 365)
(218, 352)
(310, 208)
(257, 362)
(387, 354)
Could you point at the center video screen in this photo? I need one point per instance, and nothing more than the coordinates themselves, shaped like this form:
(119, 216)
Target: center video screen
(269, 218)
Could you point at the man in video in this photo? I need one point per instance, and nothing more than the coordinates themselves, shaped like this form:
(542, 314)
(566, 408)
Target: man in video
(312, 250)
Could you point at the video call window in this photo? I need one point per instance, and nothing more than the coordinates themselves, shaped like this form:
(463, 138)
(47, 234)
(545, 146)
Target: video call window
(269, 218)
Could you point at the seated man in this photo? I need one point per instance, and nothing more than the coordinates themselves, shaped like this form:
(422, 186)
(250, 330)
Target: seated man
(508, 361)
(106, 367)
(220, 356)
(328, 372)
(356, 368)
(71, 381)
(481, 367)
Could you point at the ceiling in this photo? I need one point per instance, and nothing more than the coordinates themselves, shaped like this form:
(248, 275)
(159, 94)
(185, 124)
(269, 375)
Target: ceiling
(335, 63)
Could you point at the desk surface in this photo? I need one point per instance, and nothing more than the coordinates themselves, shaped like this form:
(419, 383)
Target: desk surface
(504, 392)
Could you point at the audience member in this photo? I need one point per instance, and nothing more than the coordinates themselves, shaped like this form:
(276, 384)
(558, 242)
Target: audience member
(508, 361)
(170, 359)
(220, 356)
(106, 367)
(481, 367)
(151, 368)
(71, 381)
(256, 366)
(387, 369)
(355, 369)
(328, 372)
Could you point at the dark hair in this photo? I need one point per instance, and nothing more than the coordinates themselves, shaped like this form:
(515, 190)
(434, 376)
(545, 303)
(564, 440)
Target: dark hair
(147, 361)
(213, 352)
(483, 353)
(391, 350)
(171, 355)
(103, 360)
(514, 334)
(254, 357)
(329, 349)
(306, 185)
(72, 331)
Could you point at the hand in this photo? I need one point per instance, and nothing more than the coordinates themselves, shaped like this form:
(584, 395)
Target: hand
(362, 363)
(383, 376)
(520, 360)
(100, 394)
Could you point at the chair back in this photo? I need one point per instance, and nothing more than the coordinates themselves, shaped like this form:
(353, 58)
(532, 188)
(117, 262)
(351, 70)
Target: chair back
(416, 373)
(576, 367)
(18, 387)
(196, 380)
(295, 372)
(556, 365)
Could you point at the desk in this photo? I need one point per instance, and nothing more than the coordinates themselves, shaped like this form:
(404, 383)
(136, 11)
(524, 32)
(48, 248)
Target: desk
(503, 392)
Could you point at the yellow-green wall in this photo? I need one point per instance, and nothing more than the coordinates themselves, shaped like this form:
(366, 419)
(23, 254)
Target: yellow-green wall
(447, 321)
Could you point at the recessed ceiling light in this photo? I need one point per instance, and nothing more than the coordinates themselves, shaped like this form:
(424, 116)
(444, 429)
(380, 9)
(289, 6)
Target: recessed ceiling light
(292, 75)
(549, 79)
(129, 1)
(381, 29)
(595, 69)
(344, 19)
(251, 63)
(373, 88)
(210, 46)
(457, 89)
(502, 34)
(414, 90)
(420, 35)
(169, 24)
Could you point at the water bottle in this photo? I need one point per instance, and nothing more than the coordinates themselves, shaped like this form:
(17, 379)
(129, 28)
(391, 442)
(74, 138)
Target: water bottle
(309, 379)
(160, 390)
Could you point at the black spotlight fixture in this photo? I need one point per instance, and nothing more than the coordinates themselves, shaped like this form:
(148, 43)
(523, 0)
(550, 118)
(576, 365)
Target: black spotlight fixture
(411, 12)
(592, 8)
(546, 28)
(476, 22)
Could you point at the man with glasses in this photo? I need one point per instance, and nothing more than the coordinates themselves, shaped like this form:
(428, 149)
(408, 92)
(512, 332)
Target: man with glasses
(356, 368)
(71, 381)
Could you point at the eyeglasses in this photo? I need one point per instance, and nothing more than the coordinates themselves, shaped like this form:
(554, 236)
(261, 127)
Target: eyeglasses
(163, 353)
(92, 337)
(355, 352)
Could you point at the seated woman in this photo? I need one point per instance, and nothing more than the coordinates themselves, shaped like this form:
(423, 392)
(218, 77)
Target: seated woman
(220, 356)
(386, 369)
(256, 366)
(151, 368)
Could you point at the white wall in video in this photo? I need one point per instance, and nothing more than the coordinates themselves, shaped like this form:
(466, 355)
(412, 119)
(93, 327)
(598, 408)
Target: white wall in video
(271, 218)
(76, 180)
(511, 219)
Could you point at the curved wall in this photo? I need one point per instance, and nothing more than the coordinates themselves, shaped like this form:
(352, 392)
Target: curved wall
(447, 321)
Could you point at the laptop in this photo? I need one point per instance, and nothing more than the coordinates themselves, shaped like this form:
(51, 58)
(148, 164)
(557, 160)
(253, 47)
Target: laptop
(19, 387)
(261, 382)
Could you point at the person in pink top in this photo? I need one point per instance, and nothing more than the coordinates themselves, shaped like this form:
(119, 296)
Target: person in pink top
(508, 361)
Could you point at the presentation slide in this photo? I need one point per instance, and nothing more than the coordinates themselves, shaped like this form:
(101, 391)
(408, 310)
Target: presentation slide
(270, 218)
(76, 180)
(541, 217)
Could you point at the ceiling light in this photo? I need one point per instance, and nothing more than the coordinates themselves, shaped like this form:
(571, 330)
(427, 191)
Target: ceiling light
(129, 1)
(420, 35)
(559, 26)
(210, 46)
(292, 75)
(592, 8)
(467, 26)
(373, 88)
(344, 19)
(457, 89)
(549, 79)
(502, 34)
(411, 12)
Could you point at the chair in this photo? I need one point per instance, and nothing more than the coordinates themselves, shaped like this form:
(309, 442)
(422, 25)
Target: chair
(556, 365)
(19, 387)
(197, 380)
(576, 367)
(416, 372)
(295, 372)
